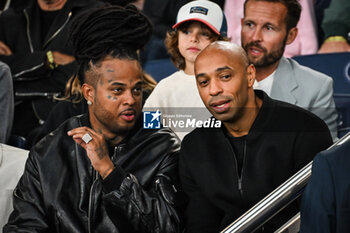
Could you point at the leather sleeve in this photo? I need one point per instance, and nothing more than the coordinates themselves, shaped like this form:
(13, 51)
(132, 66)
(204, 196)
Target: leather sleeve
(156, 208)
(28, 214)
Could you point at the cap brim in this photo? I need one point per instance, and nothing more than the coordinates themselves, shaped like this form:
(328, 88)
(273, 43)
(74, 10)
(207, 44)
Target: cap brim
(200, 20)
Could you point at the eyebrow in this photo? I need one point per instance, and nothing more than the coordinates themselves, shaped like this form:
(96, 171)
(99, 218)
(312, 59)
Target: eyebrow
(223, 68)
(117, 84)
(217, 70)
(123, 84)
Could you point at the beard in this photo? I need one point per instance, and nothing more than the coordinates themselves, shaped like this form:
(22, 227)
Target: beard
(268, 58)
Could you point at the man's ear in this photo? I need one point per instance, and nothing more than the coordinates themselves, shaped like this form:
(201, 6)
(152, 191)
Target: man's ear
(292, 34)
(251, 75)
(88, 92)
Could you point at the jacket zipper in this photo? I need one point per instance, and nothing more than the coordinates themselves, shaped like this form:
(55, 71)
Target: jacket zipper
(31, 44)
(90, 200)
(30, 47)
(58, 31)
(240, 188)
(28, 32)
(26, 71)
(41, 94)
(244, 156)
(92, 187)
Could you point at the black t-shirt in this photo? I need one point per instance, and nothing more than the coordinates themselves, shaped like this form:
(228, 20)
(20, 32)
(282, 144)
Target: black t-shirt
(47, 18)
(238, 145)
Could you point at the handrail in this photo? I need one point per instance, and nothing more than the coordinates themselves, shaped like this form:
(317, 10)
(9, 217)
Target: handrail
(276, 200)
(292, 226)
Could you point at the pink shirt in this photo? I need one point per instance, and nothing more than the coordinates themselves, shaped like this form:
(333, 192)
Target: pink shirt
(304, 43)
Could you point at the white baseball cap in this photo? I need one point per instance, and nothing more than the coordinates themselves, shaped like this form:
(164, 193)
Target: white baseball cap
(204, 11)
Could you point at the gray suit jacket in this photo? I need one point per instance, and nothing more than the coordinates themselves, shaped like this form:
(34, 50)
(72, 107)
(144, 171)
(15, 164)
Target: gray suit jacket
(6, 103)
(306, 88)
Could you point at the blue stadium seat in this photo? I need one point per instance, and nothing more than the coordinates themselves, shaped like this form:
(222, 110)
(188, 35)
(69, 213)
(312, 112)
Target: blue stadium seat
(336, 65)
(160, 68)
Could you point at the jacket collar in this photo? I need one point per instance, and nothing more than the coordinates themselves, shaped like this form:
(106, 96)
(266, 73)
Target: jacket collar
(284, 83)
(262, 119)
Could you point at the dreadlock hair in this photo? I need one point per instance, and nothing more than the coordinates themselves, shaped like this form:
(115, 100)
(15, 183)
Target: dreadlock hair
(108, 31)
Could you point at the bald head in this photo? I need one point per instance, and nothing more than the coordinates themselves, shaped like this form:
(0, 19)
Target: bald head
(230, 49)
(225, 80)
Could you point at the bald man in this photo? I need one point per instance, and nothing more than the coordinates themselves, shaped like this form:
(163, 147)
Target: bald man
(260, 144)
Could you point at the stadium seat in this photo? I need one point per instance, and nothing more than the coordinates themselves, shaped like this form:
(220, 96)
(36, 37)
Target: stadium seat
(336, 65)
(160, 68)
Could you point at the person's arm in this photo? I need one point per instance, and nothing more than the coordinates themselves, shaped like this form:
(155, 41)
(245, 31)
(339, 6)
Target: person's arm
(153, 209)
(313, 138)
(324, 107)
(336, 26)
(24, 63)
(317, 210)
(29, 213)
(6, 103)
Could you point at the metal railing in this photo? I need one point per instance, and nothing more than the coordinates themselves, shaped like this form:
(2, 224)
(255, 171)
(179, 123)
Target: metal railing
(292, 226)
(276, 200)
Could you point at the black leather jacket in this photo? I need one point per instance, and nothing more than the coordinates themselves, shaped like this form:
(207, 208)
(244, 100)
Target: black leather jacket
(61, 192)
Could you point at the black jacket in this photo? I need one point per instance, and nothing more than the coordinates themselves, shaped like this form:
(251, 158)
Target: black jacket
(282, 139)
(61, 192)
(20, 29)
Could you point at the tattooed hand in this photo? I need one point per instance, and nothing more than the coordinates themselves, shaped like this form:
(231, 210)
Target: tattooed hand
(96, 149)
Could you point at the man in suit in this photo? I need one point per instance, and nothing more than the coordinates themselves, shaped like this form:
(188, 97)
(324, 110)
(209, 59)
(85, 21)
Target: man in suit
(261, 143)
(267, 27)
(326, 200)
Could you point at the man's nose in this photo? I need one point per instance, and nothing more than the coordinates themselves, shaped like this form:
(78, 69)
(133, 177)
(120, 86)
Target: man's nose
(215, 88)
(257, 35)
(129, 98)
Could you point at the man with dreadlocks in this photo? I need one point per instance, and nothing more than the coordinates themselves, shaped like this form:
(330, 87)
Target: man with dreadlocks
(101, 171)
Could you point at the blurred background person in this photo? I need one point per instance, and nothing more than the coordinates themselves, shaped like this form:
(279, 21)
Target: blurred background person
(33, 42)
(336, 27)
(6, 103)
(305, 41)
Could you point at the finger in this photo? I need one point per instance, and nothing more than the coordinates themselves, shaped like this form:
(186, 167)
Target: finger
(80, 142)
(82, 130)
(77, 130)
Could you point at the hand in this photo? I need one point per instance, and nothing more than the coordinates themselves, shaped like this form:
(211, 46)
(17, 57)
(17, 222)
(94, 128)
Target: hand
(334, 47)
(4, 49)
(96, 149)
(61, 58)
(139, 4)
